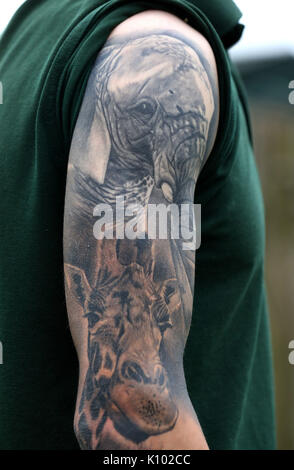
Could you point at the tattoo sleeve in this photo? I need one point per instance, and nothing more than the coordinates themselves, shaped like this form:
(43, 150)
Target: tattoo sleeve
(145, 129)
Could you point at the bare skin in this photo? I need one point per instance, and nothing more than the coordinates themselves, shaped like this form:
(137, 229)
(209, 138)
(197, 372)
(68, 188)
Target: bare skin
(145, 130)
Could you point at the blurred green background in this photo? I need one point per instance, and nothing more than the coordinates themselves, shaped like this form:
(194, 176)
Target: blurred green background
(267, 83)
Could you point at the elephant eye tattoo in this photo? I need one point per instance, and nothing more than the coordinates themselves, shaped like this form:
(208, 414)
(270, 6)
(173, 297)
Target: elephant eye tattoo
(145, 109)
(144, 131)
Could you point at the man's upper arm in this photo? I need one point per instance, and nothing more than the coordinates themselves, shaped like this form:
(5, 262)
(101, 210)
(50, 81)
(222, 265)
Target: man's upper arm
(146, 126)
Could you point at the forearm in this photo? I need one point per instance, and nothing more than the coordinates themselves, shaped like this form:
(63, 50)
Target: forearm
(186, 435)
(118, 432)
(132, 392)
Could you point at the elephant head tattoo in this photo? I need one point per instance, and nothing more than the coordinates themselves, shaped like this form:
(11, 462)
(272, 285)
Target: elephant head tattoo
(153, 108)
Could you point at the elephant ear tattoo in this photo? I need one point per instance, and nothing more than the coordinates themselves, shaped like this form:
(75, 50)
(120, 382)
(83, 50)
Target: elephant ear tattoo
(152, 107)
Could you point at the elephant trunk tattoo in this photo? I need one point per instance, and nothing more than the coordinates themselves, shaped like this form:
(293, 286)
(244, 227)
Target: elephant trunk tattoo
(152, 107)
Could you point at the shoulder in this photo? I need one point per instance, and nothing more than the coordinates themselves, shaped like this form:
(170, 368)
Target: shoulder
(160, 48)
(156, 21)
(154, 84)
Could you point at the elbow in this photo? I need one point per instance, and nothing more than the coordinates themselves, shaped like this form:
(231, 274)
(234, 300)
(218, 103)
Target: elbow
(83, 432)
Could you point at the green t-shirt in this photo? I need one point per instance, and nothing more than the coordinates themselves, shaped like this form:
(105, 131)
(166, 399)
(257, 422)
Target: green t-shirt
(47, 53)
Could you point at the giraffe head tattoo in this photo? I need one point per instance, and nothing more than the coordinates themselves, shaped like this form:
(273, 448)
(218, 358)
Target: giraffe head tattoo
(126, 380)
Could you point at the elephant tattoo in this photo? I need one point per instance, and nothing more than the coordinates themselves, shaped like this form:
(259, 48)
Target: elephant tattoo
(151, 111)
(153, 107)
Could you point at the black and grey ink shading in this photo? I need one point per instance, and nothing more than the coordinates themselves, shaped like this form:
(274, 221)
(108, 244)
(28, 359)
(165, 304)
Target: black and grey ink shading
(153, 106)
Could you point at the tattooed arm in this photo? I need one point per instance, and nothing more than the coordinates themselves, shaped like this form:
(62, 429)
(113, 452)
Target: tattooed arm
(146, 126)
